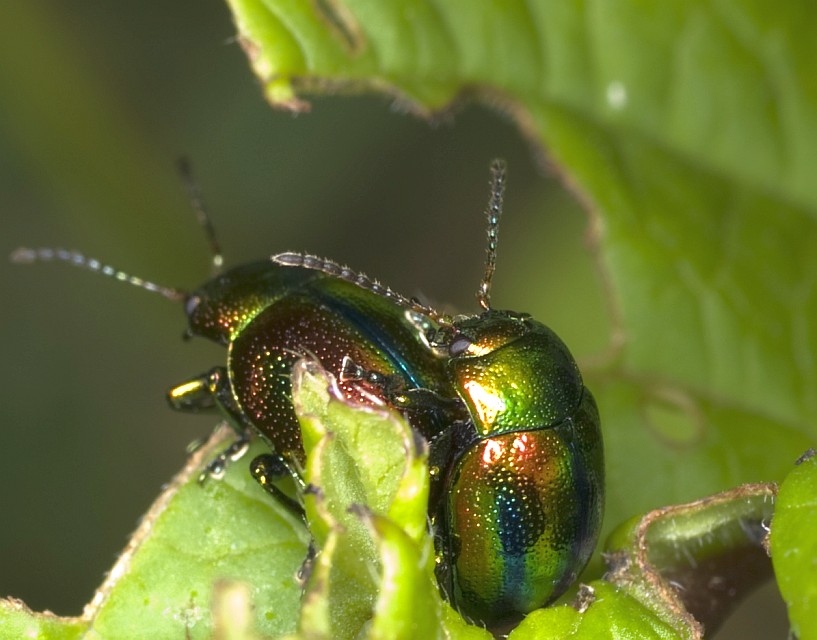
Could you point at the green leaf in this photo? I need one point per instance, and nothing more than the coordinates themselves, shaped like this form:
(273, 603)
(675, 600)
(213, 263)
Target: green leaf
(367, 456)
(193, 538)
(690, 131)
(693, 563)
(366, 506)
(794, 546)
(18, 621)
(698, 558)
(614, 614)
(665, 446)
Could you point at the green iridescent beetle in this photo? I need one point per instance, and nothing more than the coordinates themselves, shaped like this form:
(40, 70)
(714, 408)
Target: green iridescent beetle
(521, 496)
(515, 443)
(516, 447)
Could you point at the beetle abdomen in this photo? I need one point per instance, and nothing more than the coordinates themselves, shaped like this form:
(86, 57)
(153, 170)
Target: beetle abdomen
(527, 508)
(330, 320)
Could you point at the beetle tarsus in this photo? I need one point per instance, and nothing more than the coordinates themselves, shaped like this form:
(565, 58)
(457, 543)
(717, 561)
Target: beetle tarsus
(235, 451)
(270, 468)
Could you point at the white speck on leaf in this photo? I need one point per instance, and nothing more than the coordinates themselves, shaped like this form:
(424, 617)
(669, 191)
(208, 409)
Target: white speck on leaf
(617, 95)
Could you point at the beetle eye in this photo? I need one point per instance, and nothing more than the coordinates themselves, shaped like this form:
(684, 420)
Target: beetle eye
(190, 305)
(458, 346)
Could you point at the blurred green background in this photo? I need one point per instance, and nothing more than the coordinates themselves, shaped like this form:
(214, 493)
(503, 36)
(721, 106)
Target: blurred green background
(97, 101)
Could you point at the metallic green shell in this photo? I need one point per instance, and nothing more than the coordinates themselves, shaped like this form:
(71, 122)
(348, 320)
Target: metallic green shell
(271, 315)
(524, 510)
(516, 449)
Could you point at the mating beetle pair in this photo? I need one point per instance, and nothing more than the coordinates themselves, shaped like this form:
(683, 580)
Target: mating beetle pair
(515, 444)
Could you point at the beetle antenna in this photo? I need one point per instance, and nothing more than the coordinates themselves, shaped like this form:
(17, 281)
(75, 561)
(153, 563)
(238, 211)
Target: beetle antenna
(331, 268)
(194, 192)
(493, 213)
(24, 255)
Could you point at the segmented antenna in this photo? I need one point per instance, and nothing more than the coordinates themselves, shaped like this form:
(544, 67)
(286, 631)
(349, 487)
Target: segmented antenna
(202, 215)
(331, 268)
(24, 255)
(493, 213)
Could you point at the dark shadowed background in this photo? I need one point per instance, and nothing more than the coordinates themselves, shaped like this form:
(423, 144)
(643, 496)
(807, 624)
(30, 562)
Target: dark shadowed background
(97, 101)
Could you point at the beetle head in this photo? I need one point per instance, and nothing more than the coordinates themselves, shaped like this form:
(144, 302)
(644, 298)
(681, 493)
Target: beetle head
(221, 307)
(512, 372)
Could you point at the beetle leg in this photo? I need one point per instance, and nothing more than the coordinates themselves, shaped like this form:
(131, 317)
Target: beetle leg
(395, 390)
(425, 399)
(218, 465)
(192, 396)
(268, 469)
(207, 392)
(306, 566)
(352, 371)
